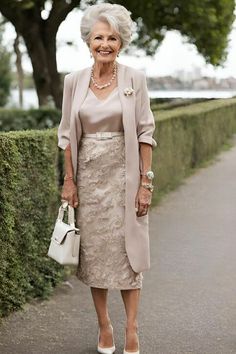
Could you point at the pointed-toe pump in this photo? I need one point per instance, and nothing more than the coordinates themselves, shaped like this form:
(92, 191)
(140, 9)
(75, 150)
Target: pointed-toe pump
(108, 350)
(125, 352)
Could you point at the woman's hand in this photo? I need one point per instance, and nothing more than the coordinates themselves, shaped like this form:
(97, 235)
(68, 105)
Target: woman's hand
(142, 201)
(69, 193)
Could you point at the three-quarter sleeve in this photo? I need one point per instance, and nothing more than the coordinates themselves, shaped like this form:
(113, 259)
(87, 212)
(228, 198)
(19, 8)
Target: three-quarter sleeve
(64, 126)
(146, 122)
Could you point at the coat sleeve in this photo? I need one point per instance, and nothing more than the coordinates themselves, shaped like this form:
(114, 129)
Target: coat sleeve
(146, 122)
(64, 126)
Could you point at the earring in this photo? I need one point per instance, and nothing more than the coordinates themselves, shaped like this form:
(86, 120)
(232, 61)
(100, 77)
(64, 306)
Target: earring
(91, 55)
(118, 53)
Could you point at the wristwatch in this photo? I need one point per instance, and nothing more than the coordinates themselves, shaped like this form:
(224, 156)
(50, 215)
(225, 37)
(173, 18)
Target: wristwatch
(149, 174)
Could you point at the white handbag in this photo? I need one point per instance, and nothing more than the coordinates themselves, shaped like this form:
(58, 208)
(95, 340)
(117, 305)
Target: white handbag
(65, 241)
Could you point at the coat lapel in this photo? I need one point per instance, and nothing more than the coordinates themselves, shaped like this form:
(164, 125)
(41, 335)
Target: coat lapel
(79, 92)
(80, 88)
(127, 102)
(136, 242)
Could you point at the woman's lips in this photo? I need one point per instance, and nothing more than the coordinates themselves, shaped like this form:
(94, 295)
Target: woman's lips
(103, 52)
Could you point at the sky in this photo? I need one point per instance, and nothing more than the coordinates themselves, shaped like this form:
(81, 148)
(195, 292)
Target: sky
(174, 56)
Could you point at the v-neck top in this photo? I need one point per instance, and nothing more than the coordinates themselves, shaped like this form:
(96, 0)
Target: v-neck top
(104, 115)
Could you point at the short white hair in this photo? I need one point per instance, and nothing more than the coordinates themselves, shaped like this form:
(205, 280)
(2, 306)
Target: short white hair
(117, 16)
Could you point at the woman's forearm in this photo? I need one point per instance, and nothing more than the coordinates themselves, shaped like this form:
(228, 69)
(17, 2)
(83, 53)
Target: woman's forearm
(146, 159)
(68, 162)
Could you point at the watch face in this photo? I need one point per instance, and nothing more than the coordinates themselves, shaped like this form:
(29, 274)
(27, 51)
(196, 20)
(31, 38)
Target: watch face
(150, 174)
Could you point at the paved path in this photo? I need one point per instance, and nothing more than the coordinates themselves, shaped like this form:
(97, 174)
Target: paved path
(189, 298)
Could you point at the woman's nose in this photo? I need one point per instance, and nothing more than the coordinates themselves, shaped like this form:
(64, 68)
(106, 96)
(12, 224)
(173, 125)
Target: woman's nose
(104, 43)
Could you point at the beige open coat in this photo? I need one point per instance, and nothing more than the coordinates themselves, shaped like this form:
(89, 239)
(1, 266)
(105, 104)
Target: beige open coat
(138, 125)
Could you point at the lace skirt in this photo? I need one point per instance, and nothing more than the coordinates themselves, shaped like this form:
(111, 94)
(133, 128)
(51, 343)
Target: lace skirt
(100, 215)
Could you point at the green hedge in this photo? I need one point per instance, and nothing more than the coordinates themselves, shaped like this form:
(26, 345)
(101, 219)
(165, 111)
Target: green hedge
(29, 201)
(20, 119)
(31, 166)
(175, 103)
(188, 136)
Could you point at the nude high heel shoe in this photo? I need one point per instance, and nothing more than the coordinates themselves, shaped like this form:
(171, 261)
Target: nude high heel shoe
(109, 350)
(125, 352)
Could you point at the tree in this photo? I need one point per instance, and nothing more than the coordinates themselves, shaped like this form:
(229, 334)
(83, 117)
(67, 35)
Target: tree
(19, 68)
(5, 73)
(206, 23)
(40, 39)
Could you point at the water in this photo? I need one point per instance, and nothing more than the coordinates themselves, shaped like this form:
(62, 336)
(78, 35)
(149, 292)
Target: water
(31, 100)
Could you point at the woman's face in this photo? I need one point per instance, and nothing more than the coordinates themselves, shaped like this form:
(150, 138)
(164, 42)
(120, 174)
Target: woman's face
(104, 43)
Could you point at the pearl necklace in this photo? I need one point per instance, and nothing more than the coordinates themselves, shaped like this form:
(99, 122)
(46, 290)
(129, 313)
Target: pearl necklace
(100, 87)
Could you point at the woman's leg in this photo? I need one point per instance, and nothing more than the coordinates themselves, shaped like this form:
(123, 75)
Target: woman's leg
(131, 302)
(100, 303)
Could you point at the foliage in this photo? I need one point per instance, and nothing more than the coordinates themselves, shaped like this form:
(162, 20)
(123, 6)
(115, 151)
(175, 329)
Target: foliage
(28, 205)
(159, 104)
(19, 119)
(205, 23)
(5, 73)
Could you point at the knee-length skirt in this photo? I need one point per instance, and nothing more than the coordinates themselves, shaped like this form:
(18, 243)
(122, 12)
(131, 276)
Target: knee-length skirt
(101, 215)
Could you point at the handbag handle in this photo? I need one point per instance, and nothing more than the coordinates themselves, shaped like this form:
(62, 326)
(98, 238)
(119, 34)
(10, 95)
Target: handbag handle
(71, 213)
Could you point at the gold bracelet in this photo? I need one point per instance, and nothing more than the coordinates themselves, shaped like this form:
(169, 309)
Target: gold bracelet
(148, 186)
(67, 178)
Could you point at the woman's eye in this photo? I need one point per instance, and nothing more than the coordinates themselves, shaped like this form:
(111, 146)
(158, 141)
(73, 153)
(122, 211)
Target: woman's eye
(98, 37)
(113, 38)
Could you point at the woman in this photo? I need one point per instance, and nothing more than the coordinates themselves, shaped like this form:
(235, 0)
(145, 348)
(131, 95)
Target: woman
(106, 131)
